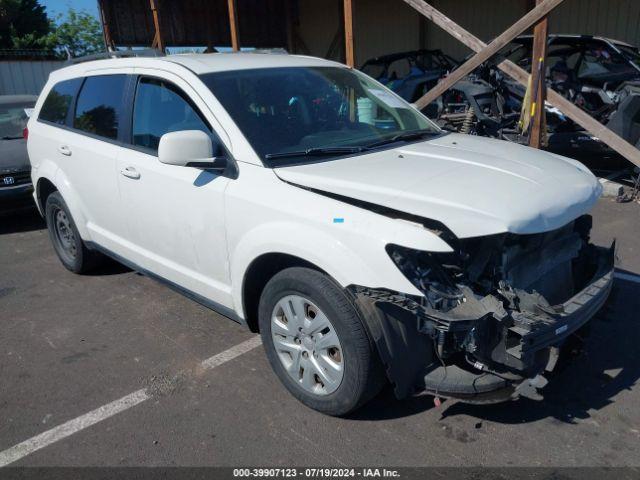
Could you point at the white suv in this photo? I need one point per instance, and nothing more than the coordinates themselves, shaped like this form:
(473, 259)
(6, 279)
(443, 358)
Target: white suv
(308, 202)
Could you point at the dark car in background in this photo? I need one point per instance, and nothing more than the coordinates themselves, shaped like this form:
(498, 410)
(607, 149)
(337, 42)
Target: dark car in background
(599, 75)
(582, 59)
(15, 170)
(410, 74)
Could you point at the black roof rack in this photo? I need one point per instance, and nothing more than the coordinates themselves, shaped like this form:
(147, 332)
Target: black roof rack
(147, 52)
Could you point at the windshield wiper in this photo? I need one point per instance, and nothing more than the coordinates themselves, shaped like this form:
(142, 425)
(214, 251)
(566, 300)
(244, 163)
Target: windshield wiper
(319, 151)
(8, 137)
(405, 136)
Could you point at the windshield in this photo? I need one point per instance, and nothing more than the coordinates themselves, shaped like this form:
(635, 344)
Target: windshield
(300, 109)
(13, 119)
(631, 53)
(598, 60)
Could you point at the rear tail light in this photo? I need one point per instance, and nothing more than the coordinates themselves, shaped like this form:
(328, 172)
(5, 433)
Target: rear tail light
(25, 133)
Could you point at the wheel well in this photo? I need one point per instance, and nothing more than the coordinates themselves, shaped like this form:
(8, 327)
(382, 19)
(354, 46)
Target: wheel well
(45, 188)
(261, 270)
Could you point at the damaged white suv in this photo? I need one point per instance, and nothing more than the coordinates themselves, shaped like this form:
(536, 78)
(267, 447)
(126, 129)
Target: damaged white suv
(310, 203)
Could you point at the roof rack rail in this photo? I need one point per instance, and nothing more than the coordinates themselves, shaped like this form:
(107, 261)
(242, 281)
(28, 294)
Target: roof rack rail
(147, 52)
(267, 51)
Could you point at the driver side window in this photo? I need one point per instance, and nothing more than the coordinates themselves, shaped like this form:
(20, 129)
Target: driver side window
(160, 107)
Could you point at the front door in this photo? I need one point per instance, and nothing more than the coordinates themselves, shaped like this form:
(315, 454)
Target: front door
(175, 215)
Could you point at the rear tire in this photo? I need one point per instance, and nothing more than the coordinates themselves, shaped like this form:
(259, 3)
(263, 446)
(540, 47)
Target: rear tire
(66, 240)
(317, 343)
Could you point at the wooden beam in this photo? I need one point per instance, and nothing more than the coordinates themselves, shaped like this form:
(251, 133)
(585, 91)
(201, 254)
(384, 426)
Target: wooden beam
(538, 83)
(233, 25)
(579, 116)
(348, 33)
(158, 41)
(486, 53)
(106, 32)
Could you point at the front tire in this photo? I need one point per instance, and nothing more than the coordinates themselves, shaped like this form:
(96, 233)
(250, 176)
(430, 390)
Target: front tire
(66, 240)
(316, 342)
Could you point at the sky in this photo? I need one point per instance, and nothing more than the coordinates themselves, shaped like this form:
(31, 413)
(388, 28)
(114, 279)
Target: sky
(55, 7)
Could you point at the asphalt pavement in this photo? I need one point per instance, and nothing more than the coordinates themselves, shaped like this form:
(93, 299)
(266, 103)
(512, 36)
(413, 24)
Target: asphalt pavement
(72, 347)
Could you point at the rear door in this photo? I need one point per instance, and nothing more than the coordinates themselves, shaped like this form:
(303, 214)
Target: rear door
(88, 153)
(175, 215)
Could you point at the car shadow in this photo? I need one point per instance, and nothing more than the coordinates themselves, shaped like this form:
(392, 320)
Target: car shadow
(108, 267)
(580, 385)
(385, 406)
(204, 178)
(25, 218)
(20, 218)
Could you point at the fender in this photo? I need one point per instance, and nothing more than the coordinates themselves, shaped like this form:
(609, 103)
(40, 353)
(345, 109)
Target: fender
(50, 171)
(346, 265)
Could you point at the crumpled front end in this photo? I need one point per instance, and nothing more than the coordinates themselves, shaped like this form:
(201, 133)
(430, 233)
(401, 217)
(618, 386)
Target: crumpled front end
(493, 314)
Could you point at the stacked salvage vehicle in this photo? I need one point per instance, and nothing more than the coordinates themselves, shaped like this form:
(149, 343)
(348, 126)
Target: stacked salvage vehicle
(599, 75)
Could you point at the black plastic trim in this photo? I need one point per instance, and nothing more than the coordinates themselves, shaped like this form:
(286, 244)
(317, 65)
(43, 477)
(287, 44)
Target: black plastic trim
(578, 310)
(210, 304)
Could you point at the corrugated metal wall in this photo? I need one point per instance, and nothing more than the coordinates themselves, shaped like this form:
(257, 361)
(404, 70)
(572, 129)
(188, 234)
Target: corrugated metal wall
(618, 19)
(387, 26)
(379, 27)
(25, 77)
(485, 19)
(318, 24)
(382, 27)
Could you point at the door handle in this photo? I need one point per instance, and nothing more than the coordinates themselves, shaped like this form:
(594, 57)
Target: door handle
(130, 172)
(64, 150)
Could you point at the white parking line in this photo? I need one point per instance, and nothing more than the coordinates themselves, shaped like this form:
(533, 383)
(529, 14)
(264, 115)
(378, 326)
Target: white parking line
(67, 429)
(627, 276)
(233, 352)
(72, 426)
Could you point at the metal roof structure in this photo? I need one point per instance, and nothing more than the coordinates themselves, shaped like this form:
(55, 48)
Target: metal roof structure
(193, 23)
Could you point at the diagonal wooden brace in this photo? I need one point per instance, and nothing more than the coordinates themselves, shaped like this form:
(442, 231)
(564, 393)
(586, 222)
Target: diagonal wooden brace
(576, 114)
(489, 51)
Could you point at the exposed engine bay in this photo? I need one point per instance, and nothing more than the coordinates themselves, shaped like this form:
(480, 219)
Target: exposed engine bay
(493, 313)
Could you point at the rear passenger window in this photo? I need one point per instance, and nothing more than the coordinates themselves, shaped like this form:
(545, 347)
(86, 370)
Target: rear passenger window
(99, 107)
(160, 108)
(60, 98)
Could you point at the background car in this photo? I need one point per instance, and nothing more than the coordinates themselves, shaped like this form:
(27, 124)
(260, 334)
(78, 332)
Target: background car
(410, 74)
(15, 170)
(582, 59)
(599, 75)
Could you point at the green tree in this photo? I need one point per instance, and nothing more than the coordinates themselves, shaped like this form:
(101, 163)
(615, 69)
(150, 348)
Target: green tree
(23, 24)
(78, 31)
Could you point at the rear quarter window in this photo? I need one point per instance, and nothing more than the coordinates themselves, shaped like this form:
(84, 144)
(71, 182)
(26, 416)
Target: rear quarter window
(60, 98)
(99, 108)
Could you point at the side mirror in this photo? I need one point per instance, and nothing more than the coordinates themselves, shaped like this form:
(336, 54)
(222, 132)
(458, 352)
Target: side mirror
(189, 148)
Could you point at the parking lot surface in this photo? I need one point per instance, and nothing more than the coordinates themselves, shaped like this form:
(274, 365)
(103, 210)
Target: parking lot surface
(72, 344)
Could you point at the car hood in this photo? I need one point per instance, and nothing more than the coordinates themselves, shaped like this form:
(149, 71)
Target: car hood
(475, 186)
(13, 156)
